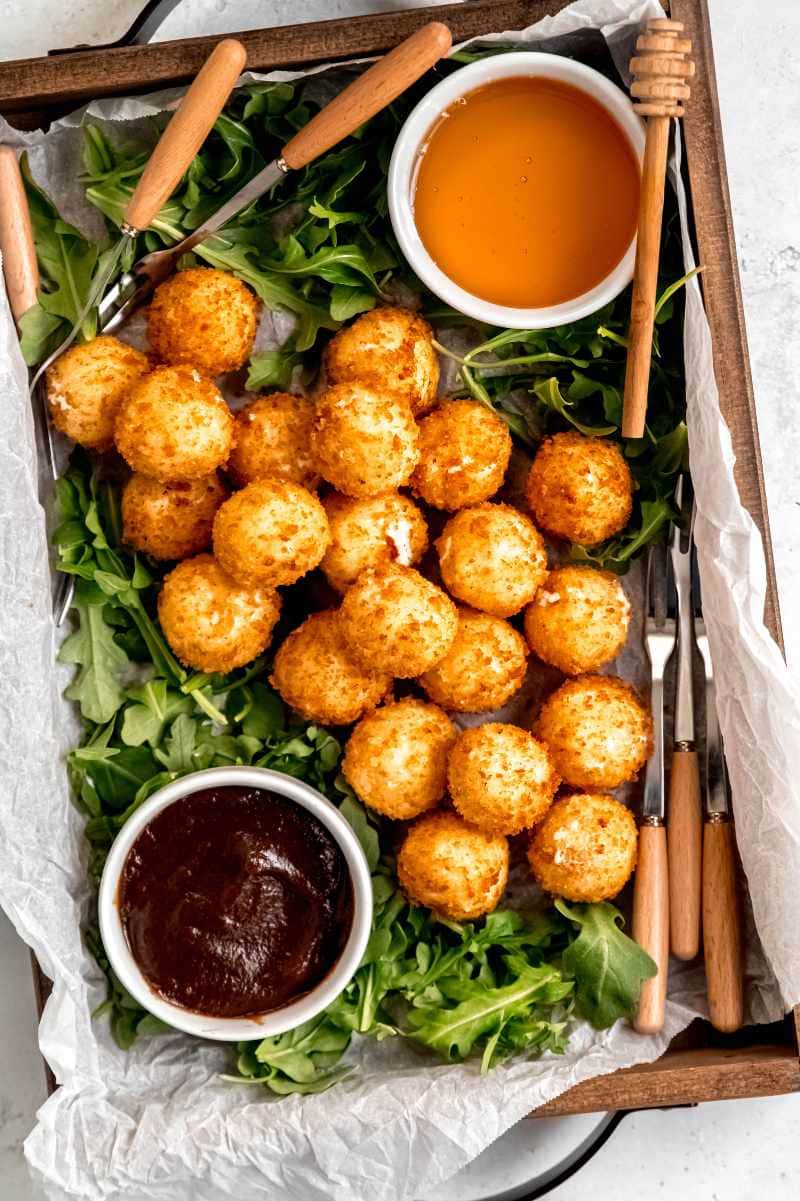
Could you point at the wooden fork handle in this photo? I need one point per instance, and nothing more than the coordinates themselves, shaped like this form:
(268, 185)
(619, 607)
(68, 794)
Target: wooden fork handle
(722, 928)
(651, 924)
(187, 130)
(20, 268)
(685, 850)
(368, 94)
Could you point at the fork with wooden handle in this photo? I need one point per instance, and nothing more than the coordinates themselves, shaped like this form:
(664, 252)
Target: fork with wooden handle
(651, 884)
(685, 821)
(722, 914)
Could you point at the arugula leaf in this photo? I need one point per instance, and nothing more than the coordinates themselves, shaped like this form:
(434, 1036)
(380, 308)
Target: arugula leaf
(117, 777)
(356, 815)
(177, 753)
(483, 1012)
(154, 705)
(97, 686)
(272, 369)
(548, 392)
(609, 968)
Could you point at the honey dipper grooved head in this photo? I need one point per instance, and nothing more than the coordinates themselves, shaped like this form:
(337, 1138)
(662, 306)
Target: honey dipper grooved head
(661, 69)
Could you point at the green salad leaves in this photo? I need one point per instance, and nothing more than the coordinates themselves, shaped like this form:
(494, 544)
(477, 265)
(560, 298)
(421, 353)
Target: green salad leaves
(322, 250)
(317, 254)
(507, 985)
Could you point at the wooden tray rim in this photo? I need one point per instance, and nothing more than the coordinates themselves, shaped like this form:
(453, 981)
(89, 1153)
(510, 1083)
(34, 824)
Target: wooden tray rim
(44, 87)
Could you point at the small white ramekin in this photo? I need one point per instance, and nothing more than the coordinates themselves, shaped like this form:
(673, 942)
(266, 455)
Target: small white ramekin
(403, 167)
(258, 1026)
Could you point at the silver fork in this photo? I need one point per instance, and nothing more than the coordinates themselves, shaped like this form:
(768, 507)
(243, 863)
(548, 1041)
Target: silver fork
(651, 887)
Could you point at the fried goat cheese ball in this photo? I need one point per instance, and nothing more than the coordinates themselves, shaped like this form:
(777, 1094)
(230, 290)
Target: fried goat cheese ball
(452, 868)
(85, 386)
(271, 533)
(501, 779)
(394, 620)
(585, 849)
(364, 442)
(369, 531)
(578, 620)
(174, 425)
(170, 521)
(579, 488)
(204, 317)
(392, 350)
(464, 452)
(396, 758)
(597, 731)
(317, 676)
(492, 558)
(483, 668)
(212, 623)
(272, 441)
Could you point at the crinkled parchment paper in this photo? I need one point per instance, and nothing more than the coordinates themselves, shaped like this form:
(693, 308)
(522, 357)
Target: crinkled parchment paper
(157, 1124)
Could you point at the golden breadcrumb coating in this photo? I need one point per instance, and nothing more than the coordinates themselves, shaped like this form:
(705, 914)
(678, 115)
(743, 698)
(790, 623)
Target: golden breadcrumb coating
(369, 531)
(318, 677)
(204, 317)
(271, 533)
(501, 779)
(170, 521)
(396, 758)
(85, 386)
(578, 620)
(585, 849)
(395, 620)
(392, 350)
(272, 440)
(492, 558)
(484, 667)
(364, 441)
(464, 450)
(454, 869)
(174, 425)
(597, 731)
(580, 488)
(212, 623)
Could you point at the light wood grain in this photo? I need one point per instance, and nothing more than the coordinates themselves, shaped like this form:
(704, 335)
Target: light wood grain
(371, 92)
(645, 278)
(20, 268)
(685, 849)
(651, 924)
(702, 1074)
(187, 130)
(722, 928)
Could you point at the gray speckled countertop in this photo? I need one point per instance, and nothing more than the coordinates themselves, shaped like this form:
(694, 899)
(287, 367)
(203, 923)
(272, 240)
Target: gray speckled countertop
(739, 1151)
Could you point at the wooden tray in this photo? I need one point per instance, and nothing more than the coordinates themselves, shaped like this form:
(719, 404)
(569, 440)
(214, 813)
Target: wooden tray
(701, 1065)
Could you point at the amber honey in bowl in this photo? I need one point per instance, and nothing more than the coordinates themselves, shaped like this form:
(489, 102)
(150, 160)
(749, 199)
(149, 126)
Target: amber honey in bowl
(526, 192)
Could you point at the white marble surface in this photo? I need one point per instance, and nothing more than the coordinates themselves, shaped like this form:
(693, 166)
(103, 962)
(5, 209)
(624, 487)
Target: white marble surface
(739, 1151)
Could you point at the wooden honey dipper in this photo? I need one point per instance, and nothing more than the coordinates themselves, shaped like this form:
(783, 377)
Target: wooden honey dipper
(660, 70)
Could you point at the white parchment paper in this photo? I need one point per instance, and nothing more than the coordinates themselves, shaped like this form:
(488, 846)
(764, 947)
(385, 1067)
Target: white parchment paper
(156, 1123)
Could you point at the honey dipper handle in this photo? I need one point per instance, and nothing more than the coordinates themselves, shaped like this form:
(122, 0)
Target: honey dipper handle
(645, 277)
(685, 848)
(20, 268)
(372, 91)
(187, 130)
(651, 924)
(722, 931)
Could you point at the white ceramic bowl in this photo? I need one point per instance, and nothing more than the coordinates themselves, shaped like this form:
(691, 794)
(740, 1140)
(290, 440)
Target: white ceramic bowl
(280, 1020)
(402, 171)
